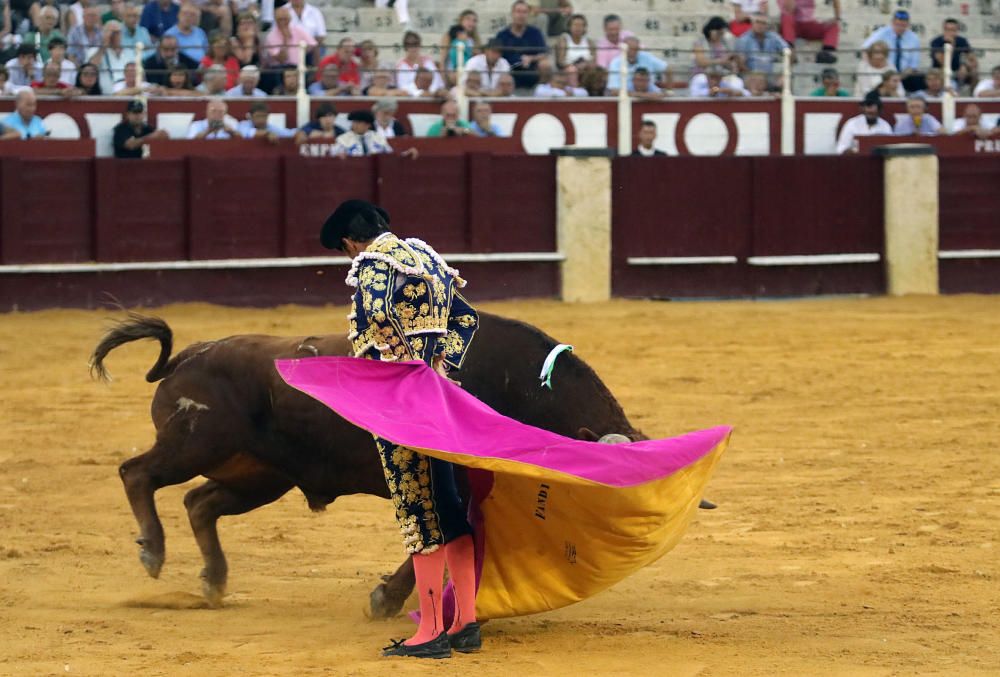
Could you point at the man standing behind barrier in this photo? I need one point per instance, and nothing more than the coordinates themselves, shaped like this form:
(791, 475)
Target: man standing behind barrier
(214, 126)
(523, 45)
(904, 49)
(917, 120)
(868, 123)
(647, 137)
(23, 123)
(407, 307)
(132, 133)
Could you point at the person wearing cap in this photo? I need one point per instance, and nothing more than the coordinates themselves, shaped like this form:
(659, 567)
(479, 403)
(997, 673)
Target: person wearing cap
(249, 77)
(868, 123)
(407, 306)
(386, 123)
(361, 139)
(490, 65)
(129, 135)
(831, 84)
(916, 120)
(190, 37)
(904, 48)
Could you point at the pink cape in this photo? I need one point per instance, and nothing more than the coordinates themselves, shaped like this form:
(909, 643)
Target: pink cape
(556, 519)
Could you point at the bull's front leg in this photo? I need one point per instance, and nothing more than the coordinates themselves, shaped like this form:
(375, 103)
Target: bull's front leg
(387, 599)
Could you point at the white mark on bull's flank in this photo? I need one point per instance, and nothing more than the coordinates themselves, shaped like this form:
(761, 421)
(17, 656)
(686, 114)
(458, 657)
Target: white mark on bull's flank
(186, 403)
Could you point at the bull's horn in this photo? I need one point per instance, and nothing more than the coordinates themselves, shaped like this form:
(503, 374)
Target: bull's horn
(614, 438)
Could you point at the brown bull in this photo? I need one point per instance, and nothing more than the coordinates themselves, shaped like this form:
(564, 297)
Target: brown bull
(223, 412)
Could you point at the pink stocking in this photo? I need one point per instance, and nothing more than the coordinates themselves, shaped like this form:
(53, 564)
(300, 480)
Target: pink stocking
(460, 556)
(429, 570)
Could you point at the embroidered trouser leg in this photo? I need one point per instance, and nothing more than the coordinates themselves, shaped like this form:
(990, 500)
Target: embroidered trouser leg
(428, 508)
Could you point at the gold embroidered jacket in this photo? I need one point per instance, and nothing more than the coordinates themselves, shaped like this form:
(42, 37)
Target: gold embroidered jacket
(406, 295)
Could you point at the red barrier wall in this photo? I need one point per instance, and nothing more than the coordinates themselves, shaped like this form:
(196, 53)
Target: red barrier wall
(969, 220)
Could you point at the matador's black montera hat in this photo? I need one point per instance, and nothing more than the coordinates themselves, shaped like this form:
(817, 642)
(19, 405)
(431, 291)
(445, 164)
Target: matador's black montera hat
(354, 219)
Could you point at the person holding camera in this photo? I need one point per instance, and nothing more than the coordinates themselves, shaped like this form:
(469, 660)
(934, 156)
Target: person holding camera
(449, 124)
(214, 126)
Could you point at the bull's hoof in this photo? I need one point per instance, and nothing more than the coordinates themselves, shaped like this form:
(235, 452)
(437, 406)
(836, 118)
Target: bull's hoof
(213, 588)
(152, 562)
(382, 607)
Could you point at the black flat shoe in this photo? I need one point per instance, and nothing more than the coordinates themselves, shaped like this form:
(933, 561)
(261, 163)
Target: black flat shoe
(439, 647)
(467, 640)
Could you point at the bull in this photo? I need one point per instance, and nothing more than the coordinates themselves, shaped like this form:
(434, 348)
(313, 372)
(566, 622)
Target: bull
(222, 411)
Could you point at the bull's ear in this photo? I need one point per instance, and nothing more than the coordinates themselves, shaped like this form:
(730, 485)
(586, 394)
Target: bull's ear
(587, 435)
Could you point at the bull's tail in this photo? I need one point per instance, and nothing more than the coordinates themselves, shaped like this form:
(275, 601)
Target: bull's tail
(132, 329)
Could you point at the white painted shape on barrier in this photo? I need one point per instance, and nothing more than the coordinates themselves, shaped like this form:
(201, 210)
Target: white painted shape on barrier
(277, 120)
(61, 126)
(102, 127)
(706, 134)
(753, 133)
(505, 121)
(666, 131)
(420, 123)
(591, 129)
(989, 120)
(819, 133)
(341, 121)
(175, 124)
(541, 133)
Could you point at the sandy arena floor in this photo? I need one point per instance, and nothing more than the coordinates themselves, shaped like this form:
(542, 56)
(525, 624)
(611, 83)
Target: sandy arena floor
(857, 531)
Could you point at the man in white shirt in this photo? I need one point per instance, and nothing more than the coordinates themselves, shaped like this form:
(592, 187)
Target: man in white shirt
(868, 123)
(556, 86)
(111, 58)
(215, 125)
(989, 87)
(361, 140)
(310, 18)
(490, 64)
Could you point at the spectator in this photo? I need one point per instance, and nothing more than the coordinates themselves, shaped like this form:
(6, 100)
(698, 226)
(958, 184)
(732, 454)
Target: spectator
(641, 86)
(50, 84)
(756, 84)
(310, 18)
(48, 20)
(190, 37)
(216, 15)
(986, 88)
(890, 86)
(22, 123)
(916, 120)
(57, 55)
(594, 81)
(964, 65)
(381, 85)
(110, 58)
(904, 48)
(798, 20)
(88, 81)
(472, 88)
(74, 14)
(971, 123)
(449, 124)
(86, 36)
(482, 123)
(831, 84)
(523, 45)
(348, 66)
(256, 125)
(713, 47)
(635, 58)
(459, 38)
(178, 83)
(116, 12)
(220, 53)
(874, 63)
(386, 123)
(322, 126)
(281, 44)
(214, 82)
(289, 83)
(246, 43)
(133, 132)
(557, 13)
(413, 61)
(608, 46)
(742, 11)
(505, 86)
(168, 57)
(158, 16)
(934, 79)
(129, 85)
(760, 48)
(719, 83)
(553, 84)
(368, 63)
(330, 84)
(574, 47)
(647, 137)
(490, 65)
(423, 85)
(133, 33)
(6, 88)
(868, 123)
(469, 21)
(247, 86)
(215, 125)
(24, 68)
(361, 139)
